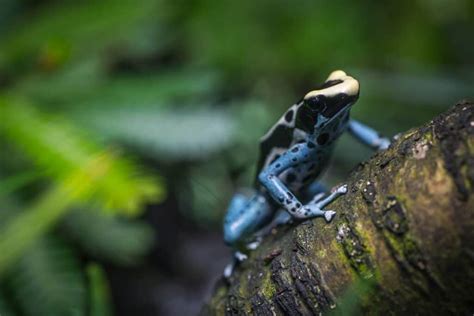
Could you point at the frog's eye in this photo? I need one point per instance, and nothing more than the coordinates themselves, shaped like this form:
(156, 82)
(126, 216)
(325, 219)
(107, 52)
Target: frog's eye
(316, 103)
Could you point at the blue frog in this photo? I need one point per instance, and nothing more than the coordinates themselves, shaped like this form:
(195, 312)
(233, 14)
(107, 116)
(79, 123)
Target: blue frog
(293, 154)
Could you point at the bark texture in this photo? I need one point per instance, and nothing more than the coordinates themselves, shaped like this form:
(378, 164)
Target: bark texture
(402, 241)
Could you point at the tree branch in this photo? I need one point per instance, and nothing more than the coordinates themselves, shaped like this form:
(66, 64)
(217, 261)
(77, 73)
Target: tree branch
(402, 240)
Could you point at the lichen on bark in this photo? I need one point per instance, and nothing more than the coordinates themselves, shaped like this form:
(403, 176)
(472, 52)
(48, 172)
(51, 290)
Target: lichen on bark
(402, 241)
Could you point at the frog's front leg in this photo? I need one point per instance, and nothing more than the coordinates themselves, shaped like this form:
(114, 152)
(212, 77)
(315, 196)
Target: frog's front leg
(368, 136)
(297, 154)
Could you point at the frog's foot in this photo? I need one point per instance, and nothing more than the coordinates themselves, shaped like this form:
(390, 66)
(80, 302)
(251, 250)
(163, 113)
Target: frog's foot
(321, 202)
(329, 215)
(254, 244)
(238, 258)
(397, 136)
(315, 208)
(384, 143)
(228, 270)
(342, 189)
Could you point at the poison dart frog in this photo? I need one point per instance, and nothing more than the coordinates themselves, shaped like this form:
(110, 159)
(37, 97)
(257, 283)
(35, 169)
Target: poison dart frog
(293, 154)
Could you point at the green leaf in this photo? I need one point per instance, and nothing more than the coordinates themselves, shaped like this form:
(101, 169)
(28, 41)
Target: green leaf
(99, 301)
(86, 86)
(48, 280)
(108, 238)
(81, 172)
(69, 156)
(179, 134)
(8, 209)
(12, 183)
(22, 230)
(206, 193)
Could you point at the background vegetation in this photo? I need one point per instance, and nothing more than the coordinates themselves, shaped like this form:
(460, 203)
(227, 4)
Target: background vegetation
(125, 127)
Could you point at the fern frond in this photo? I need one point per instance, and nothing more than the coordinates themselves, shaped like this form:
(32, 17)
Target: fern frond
(14, 182)
(108, 238)
(48, 280)
(167, 134)
(81, 171)
(67, 153)
(85, 86)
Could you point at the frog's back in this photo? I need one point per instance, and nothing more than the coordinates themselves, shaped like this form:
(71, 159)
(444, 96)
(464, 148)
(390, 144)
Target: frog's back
(293, 127)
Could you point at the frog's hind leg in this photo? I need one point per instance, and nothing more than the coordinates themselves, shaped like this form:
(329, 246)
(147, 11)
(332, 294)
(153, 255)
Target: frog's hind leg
(245, 216)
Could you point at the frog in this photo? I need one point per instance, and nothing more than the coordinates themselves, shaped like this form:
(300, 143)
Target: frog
(294, 153)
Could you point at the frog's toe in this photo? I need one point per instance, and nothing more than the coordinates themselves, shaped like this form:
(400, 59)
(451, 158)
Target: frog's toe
(254, 244)
(342, 189)
(329, 215)
(240, 256)
(229, 269)
(384, 144)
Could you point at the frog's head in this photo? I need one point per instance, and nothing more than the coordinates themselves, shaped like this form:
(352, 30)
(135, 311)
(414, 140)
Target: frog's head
(333, 98)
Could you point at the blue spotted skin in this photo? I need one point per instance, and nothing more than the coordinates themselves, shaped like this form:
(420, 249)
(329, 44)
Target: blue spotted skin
(293, 154)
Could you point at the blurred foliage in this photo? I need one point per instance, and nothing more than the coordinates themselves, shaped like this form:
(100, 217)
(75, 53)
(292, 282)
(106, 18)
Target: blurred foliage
(99, 291)
(107, 238)
(99, 98)
(65, 31)
(148, 130)
(81, 171)
(49, 276)
(61, 151)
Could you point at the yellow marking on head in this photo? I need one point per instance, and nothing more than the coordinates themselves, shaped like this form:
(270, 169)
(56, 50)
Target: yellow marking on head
(337, 74)
(349, 86)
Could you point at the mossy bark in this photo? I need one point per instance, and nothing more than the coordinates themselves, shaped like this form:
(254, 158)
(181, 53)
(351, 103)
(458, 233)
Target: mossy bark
(402, 241)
